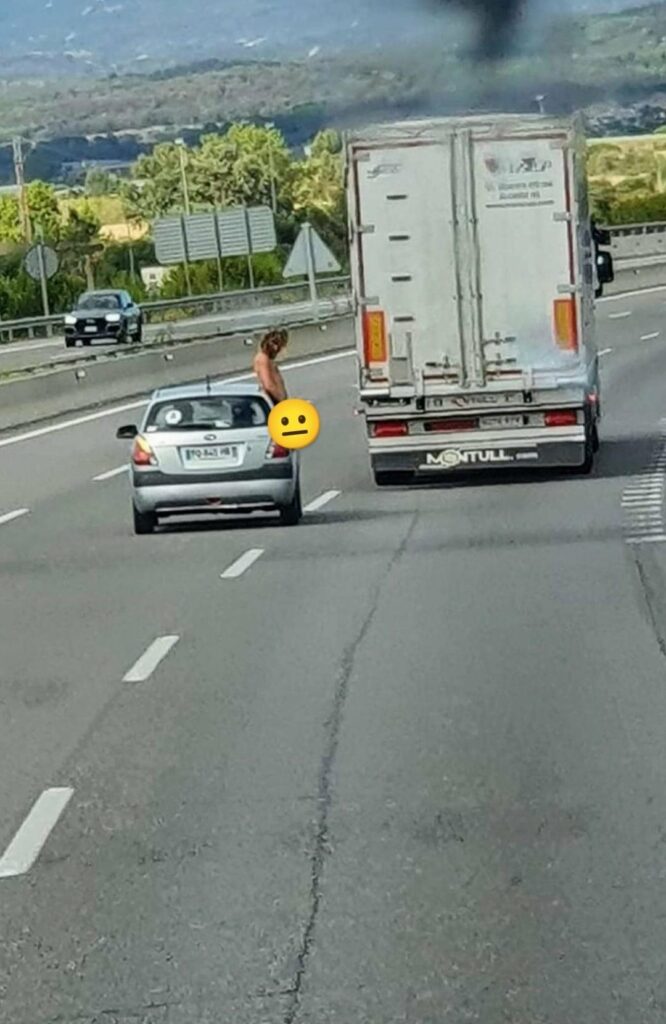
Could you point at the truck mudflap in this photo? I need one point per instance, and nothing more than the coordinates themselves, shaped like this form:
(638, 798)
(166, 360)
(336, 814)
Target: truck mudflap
(443, 459)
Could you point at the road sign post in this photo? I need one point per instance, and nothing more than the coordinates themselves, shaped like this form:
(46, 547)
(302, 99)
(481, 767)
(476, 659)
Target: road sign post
(41, 263)
(310, 256)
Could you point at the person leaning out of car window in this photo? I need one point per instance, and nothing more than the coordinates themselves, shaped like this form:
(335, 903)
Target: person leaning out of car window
(265, 366)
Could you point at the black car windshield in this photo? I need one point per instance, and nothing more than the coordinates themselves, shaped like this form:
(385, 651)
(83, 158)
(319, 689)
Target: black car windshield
(208, 412)
(91, 300)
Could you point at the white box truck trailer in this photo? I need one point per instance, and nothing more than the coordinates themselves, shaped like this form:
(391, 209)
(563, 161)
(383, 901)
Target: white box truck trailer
(474, 272)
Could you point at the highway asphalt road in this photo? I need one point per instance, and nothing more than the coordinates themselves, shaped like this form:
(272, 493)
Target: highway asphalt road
(21, 354)
(407, 764)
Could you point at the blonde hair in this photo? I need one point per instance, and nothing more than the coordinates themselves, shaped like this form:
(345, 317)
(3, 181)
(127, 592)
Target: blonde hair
(274, 341)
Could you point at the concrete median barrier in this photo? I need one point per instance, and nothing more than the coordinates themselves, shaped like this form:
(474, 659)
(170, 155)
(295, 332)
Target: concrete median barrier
(76, 387)
(633, 275)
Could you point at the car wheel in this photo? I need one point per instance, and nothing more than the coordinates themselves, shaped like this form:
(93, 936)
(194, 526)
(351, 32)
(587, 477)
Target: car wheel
(144, 522)
(138, 334)
(70, 342)
(596, 443)
(291, 514)
(392, 478)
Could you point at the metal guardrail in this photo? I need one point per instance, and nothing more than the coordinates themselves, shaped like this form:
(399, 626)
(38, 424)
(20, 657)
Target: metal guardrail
(171, 310)
(629, 241)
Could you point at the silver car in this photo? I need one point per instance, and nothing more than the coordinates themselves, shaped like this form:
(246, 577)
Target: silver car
(206, 449)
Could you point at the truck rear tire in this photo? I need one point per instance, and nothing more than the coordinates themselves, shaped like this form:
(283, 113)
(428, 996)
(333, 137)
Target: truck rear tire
(586, 467)
(392, 478)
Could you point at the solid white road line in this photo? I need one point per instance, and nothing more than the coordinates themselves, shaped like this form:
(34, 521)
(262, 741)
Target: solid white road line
(322, 500)
(9, 517)
(110, 473)
(241, 564)
(27, 844)
(127, 406)
(150, 659)
(619, 316)
(636, 291)
(649, 337)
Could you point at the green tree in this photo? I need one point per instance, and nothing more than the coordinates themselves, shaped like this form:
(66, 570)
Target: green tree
(240, 167)
(156, 188)
(317, 192)
(10, 224)
(44, 210)
(100, 183)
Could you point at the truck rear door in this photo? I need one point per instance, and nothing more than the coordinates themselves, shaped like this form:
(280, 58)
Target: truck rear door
(405, 263)
(525, 247)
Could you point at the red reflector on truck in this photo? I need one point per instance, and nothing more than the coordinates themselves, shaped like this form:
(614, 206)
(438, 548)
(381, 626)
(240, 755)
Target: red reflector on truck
(561, 418)
(441, 426)
(374, 337)
(389, 428)
(566, 324)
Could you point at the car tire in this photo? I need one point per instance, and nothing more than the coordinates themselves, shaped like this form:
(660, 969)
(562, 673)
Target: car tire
(144, 522)
(70, 342)
(291, 514)
(122, 337)
(392, 478)
(138, 334)
(596, 443)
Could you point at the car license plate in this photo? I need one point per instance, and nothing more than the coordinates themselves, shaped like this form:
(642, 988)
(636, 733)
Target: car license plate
(499, 422)
(220, 455)
(91, 330)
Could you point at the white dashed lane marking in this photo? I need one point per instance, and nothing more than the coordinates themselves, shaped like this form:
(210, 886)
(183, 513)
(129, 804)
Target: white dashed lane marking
(650, 337)
(27, 844)
(9, 517)
(110, 473)
(242, 564)
(150, 659)
(619, 316)
(322, 500)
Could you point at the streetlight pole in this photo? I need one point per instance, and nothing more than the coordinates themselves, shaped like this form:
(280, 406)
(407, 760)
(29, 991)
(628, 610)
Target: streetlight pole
(271, 170)
(183, 175)
(186, 200)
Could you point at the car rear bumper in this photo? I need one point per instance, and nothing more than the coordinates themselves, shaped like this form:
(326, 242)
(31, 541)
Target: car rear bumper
(214, 496)
(444, 458)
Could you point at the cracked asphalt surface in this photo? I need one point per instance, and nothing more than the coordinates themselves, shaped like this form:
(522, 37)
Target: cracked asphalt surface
(409, 768)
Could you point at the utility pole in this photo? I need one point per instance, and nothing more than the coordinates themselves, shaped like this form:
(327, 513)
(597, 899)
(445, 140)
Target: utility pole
(24, 212)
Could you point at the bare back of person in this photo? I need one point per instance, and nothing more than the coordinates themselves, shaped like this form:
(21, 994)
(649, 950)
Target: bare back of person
(266, 369)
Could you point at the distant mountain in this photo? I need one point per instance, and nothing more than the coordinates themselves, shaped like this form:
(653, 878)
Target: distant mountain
(41, 37)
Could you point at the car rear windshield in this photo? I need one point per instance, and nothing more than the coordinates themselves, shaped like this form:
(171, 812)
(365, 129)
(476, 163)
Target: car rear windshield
(208, 412)
(92, 301)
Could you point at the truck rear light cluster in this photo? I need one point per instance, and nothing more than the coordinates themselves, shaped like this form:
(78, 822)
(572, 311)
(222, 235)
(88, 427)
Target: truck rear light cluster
(459, 423)
(389, 428)
(561, 418)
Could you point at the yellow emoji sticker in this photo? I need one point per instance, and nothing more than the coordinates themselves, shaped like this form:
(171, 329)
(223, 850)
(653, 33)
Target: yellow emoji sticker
(293, 423)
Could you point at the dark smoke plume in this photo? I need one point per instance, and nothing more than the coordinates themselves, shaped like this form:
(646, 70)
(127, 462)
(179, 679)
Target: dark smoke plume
(498, 24)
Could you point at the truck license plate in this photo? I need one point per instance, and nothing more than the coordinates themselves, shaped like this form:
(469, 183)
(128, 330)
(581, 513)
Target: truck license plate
(489, 399)
(499, 422)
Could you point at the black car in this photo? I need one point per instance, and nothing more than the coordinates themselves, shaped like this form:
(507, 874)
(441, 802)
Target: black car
(107, 315)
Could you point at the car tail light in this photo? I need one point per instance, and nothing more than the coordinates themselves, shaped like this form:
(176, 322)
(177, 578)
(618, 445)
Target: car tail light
(566, 324)
(561, 418)
(375, 349)
(276, 451)
(389, 428)
(441, 426)
(142, 453)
